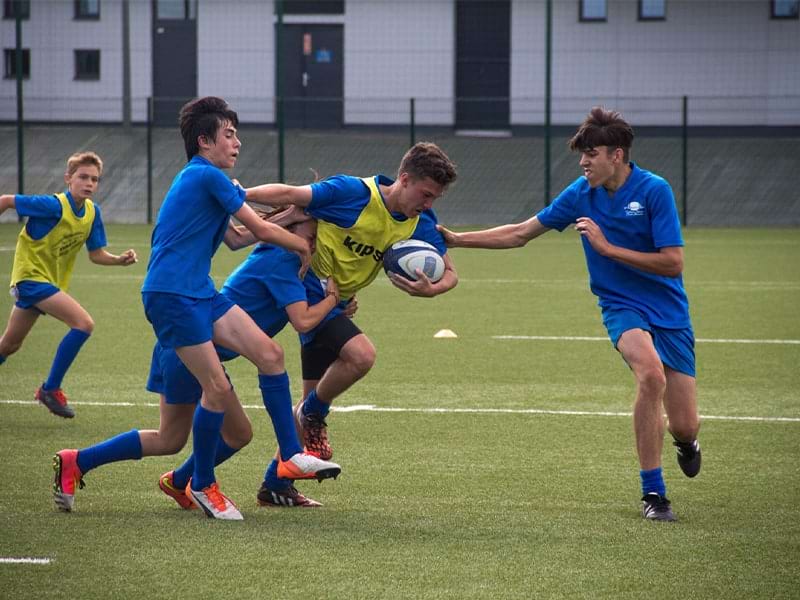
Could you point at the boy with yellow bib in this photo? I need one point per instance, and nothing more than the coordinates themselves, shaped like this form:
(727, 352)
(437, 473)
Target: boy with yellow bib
(358, 219)
(58, 226)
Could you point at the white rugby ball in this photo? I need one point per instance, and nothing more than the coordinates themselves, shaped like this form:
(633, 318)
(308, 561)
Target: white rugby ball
(404, 258)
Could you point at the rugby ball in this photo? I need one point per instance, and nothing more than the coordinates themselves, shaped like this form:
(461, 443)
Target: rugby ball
(404, 258)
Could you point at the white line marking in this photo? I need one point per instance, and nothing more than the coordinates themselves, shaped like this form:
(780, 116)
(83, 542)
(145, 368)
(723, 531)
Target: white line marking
(580, 338)
(389, 409)
(24, 561)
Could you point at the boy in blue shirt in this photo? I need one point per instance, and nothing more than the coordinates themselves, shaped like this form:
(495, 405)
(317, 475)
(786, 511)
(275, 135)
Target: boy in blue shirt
(634, 252)
(57, 227)
(190, 316)
(358, 219)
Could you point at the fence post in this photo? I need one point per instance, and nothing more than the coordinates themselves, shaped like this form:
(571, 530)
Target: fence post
(413, 123)
(279, 89)
(548, 75)
(685, 159)
(20, 113)
(150, 113)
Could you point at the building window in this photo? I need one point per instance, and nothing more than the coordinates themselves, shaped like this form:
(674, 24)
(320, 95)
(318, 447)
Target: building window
(87, 65)
(87, 9)
(785, 9)
(11, 7)
(313, 7)
(10, 59)
(652, 10)
(181, 10)
(593, 10)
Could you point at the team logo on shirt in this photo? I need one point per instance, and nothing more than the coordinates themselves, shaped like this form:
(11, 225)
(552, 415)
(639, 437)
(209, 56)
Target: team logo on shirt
(634, 209)
(361, 249)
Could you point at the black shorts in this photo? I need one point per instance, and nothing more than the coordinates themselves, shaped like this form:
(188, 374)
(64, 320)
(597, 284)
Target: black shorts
(319, 353)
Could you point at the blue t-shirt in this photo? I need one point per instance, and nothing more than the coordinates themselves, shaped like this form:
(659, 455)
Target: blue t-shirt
(641, 216)
(265, 284)
(44, 213)
(190, 227)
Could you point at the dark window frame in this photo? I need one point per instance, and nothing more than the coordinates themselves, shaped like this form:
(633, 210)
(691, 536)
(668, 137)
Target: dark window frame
(9, 12)
(645, 18)
(10, 63)
(80, 15)
(313, 7)
(584, 19)
(774, 15)
(86, 76)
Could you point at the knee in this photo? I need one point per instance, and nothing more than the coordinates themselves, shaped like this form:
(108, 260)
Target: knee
(685, 429)
(239, 438)
(85, 324)
(652, 382)
(363, 360)
(270, 357)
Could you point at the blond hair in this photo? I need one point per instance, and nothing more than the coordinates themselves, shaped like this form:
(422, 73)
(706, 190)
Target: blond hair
(80, 159)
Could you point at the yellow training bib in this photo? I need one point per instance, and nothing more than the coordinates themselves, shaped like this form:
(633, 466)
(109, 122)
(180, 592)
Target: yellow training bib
(51, 259)
(353, 256)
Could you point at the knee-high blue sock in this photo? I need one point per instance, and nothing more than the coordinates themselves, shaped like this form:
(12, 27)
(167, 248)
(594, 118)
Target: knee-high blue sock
(313, 405)
(125, 446)
(181, 475)
(653, 481)
(272, 480)
(205, 431)
(278, 402)
(67, 351)
(2, 359)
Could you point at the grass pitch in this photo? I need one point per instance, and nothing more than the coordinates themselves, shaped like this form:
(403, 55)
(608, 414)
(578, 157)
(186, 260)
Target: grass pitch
(533, 494)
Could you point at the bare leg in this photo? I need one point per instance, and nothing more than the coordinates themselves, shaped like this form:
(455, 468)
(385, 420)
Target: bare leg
(355, 360)
(680, 401)
(638, 350)
(20, 323)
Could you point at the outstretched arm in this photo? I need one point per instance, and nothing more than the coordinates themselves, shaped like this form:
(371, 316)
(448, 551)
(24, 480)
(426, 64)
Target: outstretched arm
(512, 235)
(667, 261)
(279, 194)
(100, 256)
(275, 234)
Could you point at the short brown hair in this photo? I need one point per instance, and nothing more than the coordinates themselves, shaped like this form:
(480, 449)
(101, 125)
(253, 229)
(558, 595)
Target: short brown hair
(603, 127)
(426, 159)
(80, 159)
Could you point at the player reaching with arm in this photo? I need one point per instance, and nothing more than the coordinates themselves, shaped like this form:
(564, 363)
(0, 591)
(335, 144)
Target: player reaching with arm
(358, 219)
(634, 252)
(57, 227)
(190, 316)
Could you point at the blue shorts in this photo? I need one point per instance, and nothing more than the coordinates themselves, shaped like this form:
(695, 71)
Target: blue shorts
(170, 378)
(675, 347)
(30, 293)
(183, 321)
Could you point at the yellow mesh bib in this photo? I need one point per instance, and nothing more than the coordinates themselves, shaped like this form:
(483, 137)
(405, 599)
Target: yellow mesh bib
(51, 259)
(353, 255)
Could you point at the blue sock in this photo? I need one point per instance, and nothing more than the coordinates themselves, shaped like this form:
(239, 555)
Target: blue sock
(2, 359)
(278, 402)
(272, 480)
(181, 475)
(205, 431)
(125, 446)
(313, 405)
(67, 351)
(653, 481)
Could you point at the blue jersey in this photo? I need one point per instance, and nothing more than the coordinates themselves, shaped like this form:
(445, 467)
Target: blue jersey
(44, 213)
(190, 227)
(265, 284)
(641, 216)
